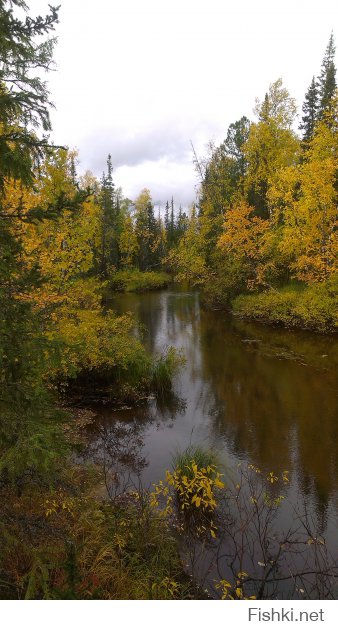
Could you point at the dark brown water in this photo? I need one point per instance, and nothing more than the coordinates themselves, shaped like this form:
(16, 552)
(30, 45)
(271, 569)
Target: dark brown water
(252, 393)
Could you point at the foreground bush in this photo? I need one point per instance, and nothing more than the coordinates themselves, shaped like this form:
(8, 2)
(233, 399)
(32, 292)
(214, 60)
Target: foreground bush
(62, 543)
(139, 281)
(313, 307)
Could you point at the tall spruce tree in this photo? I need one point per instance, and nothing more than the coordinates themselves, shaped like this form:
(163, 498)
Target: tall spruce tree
(29, 433)
(310, 110)
(327, 79)
(109, 219)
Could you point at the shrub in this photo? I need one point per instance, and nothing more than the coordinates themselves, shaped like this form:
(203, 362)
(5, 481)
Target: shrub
(190, 491)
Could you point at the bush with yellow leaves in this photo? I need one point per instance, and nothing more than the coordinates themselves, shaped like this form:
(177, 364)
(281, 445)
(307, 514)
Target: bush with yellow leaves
(190, 493)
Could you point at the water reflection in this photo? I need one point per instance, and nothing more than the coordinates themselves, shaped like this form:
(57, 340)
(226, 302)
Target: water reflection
(254, 393)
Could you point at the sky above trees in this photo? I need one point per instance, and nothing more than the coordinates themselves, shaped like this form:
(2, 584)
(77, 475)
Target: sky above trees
(141, 80)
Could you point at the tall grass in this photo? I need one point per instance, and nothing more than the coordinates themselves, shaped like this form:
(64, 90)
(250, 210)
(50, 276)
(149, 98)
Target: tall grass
(133, 280)
(313, 307)
(202, 457)
(164, 369)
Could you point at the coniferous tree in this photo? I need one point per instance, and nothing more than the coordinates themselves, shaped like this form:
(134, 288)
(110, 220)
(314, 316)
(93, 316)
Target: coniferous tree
(327, 79)
(166, 218)
(172, 224)
(29, 433)
(310, 110)
(109, 222)
(24, 99)
(147, 232)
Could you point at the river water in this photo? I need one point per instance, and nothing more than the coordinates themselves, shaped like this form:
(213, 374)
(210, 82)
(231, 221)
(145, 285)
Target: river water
(252, 393)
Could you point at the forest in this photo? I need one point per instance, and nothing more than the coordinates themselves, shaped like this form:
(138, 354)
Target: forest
(260, 242)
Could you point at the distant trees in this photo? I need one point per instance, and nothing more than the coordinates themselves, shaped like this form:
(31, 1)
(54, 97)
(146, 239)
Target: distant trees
(267, 207)
(318, 97)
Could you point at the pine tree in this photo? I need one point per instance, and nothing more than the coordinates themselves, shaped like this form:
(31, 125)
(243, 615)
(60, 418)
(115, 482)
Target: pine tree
(327, 79)
(310, 110)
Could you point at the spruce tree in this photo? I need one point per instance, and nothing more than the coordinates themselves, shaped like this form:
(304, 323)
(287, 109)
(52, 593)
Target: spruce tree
(29, 434)
(109, 221)
(327, 79)
(24, 99)
(310, 110)
(172, 224)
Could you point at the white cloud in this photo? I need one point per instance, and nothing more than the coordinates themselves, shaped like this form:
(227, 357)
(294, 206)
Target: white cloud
(140, 79)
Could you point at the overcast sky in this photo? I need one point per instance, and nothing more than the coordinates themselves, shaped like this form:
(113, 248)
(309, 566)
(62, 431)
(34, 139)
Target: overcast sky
(140, 79)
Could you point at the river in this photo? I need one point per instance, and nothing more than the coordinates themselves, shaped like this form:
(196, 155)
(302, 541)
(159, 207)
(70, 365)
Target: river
(252, 393)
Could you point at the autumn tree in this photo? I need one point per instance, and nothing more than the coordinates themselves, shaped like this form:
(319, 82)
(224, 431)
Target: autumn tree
(305, 196)
(147, 232)
(271, 145)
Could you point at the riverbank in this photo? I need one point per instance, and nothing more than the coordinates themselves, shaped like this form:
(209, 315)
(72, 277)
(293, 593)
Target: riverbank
(312, 307)
(133, 280)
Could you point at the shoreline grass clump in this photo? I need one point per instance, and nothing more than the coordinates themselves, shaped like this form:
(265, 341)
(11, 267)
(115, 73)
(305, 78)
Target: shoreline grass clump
(164, 369)
(313, 307)
(134, 280)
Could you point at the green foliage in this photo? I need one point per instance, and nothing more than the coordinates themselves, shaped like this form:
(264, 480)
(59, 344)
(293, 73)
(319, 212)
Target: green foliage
(139, 281)
(327, 79)
(24, 102)
(314, 307)
(202, 457)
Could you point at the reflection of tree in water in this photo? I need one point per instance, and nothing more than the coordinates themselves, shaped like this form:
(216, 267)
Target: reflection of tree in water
(117, 440)
(279, 412)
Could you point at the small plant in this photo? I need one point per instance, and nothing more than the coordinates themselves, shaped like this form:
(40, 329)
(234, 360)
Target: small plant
(190, 491)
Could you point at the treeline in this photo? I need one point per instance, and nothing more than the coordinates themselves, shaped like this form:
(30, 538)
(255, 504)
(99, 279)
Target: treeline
(129, 234)
(266, 215)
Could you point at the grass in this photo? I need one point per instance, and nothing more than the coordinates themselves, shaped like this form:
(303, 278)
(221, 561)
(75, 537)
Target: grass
(164, 369)
(202, 457)
(133, 280)
(66, 544)
(313, 307)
